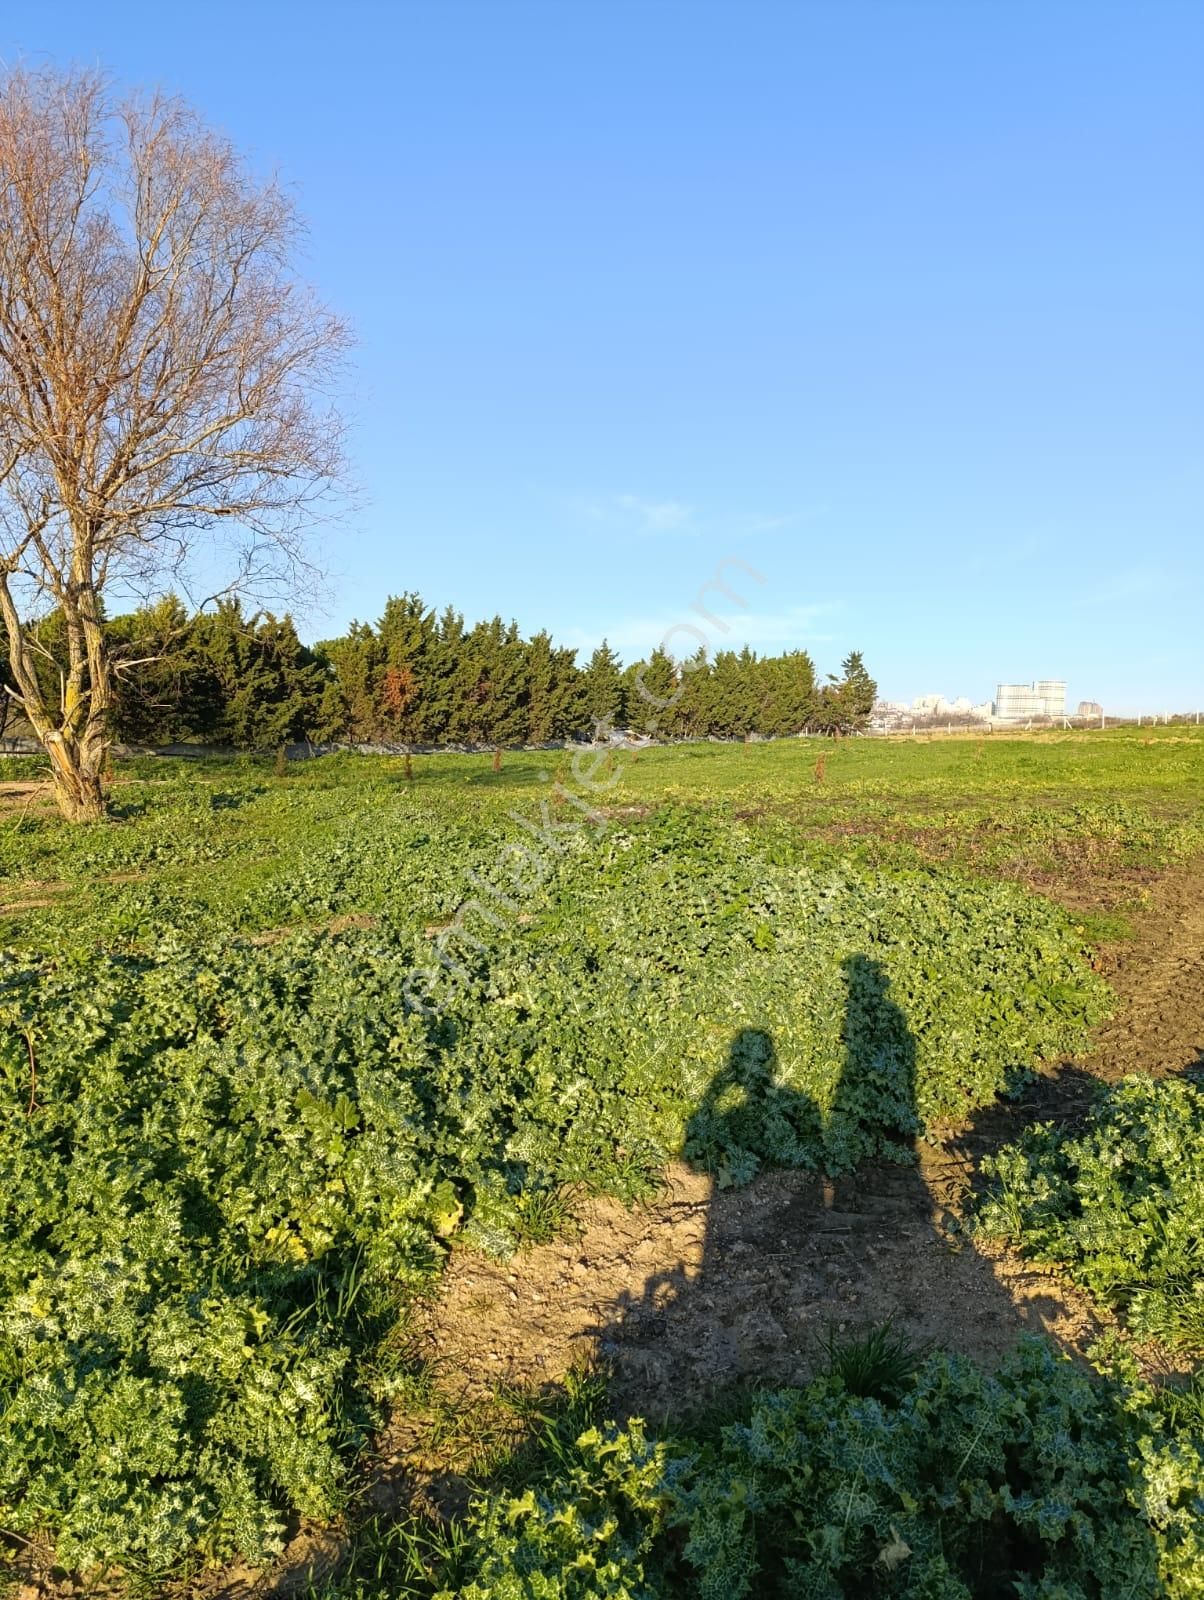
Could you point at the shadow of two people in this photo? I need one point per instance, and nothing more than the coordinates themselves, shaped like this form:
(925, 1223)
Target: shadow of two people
(748, 1118)
(840, 1227)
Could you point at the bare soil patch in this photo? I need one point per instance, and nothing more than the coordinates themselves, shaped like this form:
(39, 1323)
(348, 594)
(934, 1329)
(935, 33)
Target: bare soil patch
(341, 924)
(23, 796)
(1159, 976)
(1156, 1028)
(35, 896)
(705, 1289)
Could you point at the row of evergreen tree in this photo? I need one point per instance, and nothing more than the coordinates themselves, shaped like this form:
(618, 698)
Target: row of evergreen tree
(415, 678)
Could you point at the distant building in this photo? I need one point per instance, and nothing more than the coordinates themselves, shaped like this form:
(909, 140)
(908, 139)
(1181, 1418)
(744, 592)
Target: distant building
(936, 705)
(1017, 702)
(888, 714)
(933, 708)
(1090, 708)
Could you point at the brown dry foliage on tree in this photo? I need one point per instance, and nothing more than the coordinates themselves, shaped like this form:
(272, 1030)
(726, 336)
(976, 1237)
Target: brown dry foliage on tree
(399, 689)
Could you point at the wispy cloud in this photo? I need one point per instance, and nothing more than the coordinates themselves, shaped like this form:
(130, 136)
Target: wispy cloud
(592, 510)
(649, 516)
(636, 512)
(754, 524)
(1131, 583)
(655, 516)
(643, 514)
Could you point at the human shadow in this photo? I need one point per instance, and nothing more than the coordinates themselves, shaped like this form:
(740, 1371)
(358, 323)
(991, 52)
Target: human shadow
(781, 1260)
(798, 1213)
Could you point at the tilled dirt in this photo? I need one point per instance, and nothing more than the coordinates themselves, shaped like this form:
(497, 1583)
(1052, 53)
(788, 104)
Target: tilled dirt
(706, 1288)
(1159, 975)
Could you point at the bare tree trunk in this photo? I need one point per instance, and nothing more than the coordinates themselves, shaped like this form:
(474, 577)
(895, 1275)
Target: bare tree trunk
(77, 739)
(77, 773)
(497, 760)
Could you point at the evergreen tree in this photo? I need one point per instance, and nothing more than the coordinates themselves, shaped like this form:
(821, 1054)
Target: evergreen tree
(650, 690)
(48, 648)
(846, 703)
(692, 715)
(602, 689)
(509, 705)
(541, 690)
(416, 679)
(260, 685)
(405, 680)
(464, 677)
(858, 691)
(793, 692)
(154, 700)
(348, 710)
(493, 684)
(569, 717)
(734, 694)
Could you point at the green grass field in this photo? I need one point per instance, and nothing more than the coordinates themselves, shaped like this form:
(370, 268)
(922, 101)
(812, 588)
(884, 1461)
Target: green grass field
(274, 1045)
(1062, 808)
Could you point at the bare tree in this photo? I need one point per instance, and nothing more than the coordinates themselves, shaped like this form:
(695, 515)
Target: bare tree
(161, 375)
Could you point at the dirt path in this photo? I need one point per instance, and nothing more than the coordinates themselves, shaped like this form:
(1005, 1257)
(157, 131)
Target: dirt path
(704, 1287)
(1159, 976)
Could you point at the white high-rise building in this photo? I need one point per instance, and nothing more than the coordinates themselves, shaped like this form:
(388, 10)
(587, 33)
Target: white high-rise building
(1044, 697)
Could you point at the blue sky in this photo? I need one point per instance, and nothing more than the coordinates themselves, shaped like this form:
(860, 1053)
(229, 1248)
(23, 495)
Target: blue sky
(899, 304)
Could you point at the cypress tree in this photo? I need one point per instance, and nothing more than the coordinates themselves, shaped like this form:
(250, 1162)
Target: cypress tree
(417, 679)
(602, 689)
(404, 679)
(348, 707)
(261, 685)
(650, 693)
(857, 691)
(541, 690)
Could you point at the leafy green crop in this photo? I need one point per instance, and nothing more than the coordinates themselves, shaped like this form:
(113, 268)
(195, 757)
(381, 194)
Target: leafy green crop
(1119, 1203)
(1039, 1482)
(226, 1160)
